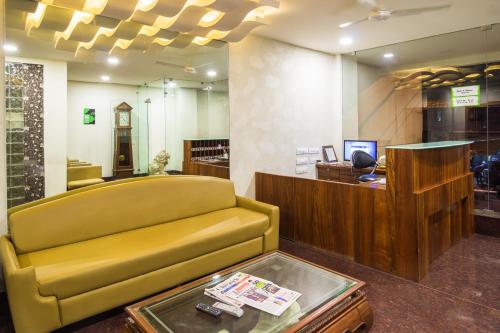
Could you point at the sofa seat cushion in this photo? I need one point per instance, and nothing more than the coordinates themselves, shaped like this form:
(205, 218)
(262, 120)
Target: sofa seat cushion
(73, 269)
(82, 183)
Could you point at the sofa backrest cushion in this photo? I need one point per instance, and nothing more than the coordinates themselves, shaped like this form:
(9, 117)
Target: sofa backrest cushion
(117, 208)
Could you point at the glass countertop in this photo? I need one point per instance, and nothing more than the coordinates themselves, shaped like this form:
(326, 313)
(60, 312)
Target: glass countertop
(431, 145)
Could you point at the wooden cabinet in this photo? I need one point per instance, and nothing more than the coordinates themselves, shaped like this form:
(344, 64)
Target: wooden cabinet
(206, 157)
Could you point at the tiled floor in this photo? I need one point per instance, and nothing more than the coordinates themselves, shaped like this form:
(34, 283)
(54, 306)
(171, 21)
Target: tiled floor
(460, 294)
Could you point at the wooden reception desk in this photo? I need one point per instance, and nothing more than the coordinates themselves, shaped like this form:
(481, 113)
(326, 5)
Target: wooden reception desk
(401, 227)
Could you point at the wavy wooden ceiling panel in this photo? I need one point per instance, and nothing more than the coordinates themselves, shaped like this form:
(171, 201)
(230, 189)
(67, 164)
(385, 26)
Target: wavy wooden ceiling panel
(115, 26)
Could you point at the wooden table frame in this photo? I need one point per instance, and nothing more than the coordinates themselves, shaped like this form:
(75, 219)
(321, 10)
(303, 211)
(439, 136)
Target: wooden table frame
(349, 312)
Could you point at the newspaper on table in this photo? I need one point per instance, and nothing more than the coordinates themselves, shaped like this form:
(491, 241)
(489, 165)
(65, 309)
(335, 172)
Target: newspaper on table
(261, 294)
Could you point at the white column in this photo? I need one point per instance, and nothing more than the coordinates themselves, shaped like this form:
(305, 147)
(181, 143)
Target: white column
(3, 152)
(3, 149)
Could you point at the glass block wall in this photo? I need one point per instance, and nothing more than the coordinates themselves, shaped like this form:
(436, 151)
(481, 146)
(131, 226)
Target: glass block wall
(24, 108)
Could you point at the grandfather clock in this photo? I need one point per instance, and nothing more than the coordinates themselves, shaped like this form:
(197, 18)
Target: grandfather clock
(123, 165)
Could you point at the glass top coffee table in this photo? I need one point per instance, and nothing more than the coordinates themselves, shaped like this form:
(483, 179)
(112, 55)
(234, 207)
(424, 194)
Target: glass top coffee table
(330, 302)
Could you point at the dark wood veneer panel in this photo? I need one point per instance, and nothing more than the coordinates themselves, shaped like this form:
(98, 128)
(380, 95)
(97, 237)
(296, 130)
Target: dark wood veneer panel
(278, 191)
(426, 207)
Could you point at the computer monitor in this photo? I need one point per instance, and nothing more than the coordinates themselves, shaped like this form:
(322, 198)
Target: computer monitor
(367, 146)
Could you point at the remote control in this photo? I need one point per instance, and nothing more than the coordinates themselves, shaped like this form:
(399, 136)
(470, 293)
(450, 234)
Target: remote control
(229, 309)
(210, 310)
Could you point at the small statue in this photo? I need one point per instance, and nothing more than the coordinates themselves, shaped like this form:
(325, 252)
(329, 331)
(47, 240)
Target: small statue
(157, 167)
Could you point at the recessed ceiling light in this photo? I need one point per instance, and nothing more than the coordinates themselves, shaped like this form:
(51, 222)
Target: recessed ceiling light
(345, 24)
(105, 78)
(389, 55)
(10, 48)
(212, 73)
(113, 61)
(345, 41)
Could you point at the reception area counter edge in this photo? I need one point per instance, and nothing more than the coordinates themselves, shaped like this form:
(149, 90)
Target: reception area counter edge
(400, 228)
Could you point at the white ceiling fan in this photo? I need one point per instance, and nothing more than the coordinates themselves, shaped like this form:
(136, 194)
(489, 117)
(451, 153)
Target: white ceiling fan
(188, 68)
(379, 13)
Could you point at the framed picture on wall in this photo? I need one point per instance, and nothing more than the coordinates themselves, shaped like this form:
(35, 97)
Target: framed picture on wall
(88, 116)
(329, 154)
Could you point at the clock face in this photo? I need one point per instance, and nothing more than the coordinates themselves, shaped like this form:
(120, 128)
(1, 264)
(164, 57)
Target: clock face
(124, 119)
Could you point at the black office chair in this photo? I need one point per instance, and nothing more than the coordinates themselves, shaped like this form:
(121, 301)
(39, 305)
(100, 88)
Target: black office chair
(361, 160)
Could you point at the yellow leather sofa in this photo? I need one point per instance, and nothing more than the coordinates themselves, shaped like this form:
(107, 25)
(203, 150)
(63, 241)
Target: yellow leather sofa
(84, 175)
(78, 254)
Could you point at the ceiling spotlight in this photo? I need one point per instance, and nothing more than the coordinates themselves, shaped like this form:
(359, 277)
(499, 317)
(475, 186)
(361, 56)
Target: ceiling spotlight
(346, 41)
(105, 78)
(212, 73)
(113, 61)
(10, 48)
(345, 24)
(388, 55)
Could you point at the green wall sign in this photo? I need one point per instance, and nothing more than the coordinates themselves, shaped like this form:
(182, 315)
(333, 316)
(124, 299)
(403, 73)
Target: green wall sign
(88, 116)
(466, 96)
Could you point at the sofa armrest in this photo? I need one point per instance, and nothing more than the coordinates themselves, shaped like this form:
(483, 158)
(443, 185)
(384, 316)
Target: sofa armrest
(271, 236)
(30, 311)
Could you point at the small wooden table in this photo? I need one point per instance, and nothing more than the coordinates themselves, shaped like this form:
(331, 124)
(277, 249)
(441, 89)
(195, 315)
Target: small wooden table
(330, 302)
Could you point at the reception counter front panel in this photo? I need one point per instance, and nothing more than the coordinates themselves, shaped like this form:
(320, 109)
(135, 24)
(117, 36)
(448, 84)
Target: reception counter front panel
(430, 199)
(400, 228)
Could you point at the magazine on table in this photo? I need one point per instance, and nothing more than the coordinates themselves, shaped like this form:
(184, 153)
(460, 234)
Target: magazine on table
(242, 288)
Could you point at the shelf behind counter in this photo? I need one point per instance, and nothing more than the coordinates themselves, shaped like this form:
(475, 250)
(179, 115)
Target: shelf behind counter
(206, 157)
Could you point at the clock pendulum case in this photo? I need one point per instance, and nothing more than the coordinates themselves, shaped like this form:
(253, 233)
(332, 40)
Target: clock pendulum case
(123, 165)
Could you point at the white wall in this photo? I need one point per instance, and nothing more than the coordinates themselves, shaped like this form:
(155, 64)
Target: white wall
(349, 98)
(182, 123)
(94, 143)
(170, 121)
(281, 97)
(3, 151)
(54, 112)
(213, 115)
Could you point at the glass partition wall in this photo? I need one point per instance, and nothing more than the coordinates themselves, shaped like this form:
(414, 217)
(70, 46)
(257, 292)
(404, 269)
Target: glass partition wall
(171, 111)
(444, 87)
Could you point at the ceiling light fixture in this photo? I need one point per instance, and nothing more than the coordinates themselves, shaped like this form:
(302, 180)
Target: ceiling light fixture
(389, 55)
(345, 24)
(105, 78)
(10, 48)
(345, 41)
(113, 61)
(211, 73)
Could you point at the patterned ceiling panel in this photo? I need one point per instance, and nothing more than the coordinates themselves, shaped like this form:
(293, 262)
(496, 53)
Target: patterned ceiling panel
(115, 26)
